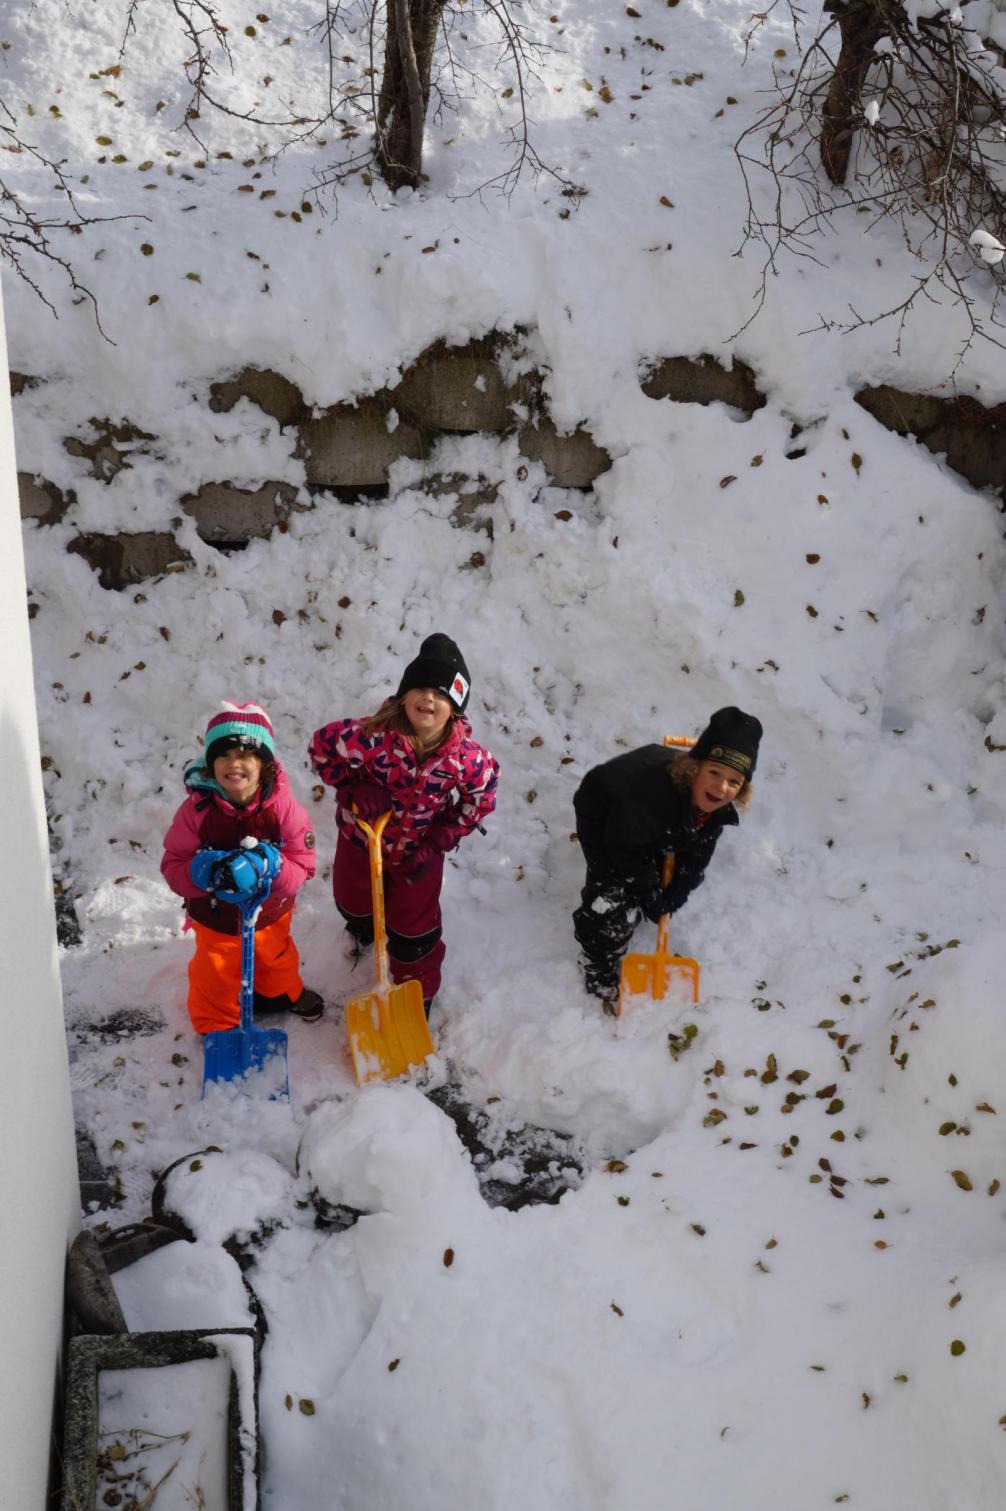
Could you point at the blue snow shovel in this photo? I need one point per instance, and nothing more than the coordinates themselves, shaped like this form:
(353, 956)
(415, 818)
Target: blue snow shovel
(230, 1053)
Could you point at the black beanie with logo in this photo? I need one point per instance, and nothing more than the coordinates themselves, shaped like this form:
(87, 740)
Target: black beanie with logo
(731, 737)
(441, 665)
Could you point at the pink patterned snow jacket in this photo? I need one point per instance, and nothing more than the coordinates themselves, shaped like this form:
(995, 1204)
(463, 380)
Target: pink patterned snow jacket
(455, 787)
(207, 821)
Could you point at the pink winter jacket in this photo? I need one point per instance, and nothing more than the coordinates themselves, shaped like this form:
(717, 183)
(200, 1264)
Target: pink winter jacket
(207, 821)
(454, 788)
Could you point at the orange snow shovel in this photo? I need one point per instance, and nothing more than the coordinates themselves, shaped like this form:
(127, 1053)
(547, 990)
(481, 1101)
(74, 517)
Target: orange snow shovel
(650, 975)
(387, 1027)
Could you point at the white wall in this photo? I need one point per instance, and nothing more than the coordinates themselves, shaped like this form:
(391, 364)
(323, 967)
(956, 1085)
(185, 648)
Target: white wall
(39, 1197)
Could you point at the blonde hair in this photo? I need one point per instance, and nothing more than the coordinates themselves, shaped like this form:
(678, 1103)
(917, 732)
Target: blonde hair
(684, 769)
(393, 716)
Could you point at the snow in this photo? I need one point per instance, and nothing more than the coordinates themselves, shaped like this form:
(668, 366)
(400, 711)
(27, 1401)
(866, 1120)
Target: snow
(990, 248)
(751, 1298)
(220, 1196)
(164, 1433)
(239, 1352)
(390, 1151)
(185, 1285)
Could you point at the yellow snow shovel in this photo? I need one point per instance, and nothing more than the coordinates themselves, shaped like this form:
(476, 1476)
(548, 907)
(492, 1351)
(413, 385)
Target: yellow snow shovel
(387, 1027)
(651, 975)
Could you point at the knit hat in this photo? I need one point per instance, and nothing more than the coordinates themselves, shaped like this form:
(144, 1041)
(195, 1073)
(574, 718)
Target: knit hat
(239, 724)
(441, 665)
(731, 737)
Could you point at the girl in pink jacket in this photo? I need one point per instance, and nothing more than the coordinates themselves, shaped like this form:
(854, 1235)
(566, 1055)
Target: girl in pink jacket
(415, 757)
(239, 790)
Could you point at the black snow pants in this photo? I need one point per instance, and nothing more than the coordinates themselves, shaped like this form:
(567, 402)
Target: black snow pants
(604, 924)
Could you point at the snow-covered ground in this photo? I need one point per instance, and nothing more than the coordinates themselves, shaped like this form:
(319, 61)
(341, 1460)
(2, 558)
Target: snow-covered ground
(778, 1284)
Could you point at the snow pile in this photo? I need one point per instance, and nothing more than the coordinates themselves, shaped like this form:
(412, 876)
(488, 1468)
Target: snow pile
(777, 1285)
(185, 1285)
(162, 1434)
(220, 1196)
(389, 1152)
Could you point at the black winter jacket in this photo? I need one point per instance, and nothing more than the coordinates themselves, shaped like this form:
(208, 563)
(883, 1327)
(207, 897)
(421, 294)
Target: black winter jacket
(630, 814)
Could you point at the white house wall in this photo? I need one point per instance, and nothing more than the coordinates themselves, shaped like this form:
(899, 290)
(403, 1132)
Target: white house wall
(39, 1201)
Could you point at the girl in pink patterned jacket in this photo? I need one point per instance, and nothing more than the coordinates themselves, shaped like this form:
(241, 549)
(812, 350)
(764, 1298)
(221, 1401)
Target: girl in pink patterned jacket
(415, 757)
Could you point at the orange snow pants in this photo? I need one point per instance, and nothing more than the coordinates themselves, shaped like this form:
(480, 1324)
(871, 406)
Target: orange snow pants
(215, 972)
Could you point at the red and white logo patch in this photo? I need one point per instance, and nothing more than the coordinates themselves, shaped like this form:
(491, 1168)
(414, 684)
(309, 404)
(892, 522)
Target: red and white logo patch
(459, 689)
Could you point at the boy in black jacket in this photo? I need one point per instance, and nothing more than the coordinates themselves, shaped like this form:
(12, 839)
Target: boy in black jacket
(637, 808)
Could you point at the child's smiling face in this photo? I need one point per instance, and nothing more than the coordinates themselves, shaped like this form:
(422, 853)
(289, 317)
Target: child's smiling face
(427, 710)
(714, 786)
(238, 771)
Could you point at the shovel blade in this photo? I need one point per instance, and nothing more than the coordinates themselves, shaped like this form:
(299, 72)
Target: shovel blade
(229, 1054)
(387, 1034)
(651, 976)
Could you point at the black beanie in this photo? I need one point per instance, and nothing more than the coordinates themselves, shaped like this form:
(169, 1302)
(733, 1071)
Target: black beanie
(441, 665)
(731, 737)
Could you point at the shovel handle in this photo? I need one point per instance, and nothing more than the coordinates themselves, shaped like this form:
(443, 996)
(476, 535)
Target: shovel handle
(248, 908)
(681, 742)
(373, 833)
(664, 922)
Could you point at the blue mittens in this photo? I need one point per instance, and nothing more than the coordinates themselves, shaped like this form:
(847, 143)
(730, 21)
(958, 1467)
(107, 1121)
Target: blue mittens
(236, 875)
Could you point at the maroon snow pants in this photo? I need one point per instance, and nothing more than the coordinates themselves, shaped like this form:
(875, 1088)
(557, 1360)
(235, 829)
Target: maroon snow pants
(411, 910)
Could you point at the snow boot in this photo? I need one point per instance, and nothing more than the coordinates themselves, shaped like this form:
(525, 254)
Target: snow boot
(308, 1006)
(356, 944)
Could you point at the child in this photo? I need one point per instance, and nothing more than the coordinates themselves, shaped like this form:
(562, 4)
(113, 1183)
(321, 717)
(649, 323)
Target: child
(637, 808)
(415, 757)
(237, 790)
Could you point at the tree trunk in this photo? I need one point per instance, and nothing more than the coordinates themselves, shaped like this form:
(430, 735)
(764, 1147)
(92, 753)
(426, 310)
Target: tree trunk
(405, 88)
(861, 23)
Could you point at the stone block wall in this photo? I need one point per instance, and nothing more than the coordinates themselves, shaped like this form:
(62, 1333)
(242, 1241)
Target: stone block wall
(353, 446)
(971, 436)
(349, 449)
(225, 514)
(703, 380)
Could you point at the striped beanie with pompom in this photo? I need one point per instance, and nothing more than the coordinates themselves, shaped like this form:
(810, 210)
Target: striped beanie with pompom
(239, 724)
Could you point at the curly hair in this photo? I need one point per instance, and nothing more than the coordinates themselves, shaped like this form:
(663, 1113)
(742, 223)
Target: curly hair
(684, 769)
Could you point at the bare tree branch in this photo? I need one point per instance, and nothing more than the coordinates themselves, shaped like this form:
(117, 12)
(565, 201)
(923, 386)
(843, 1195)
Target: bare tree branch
(420, 61)
(925, 152)
(26, 238)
